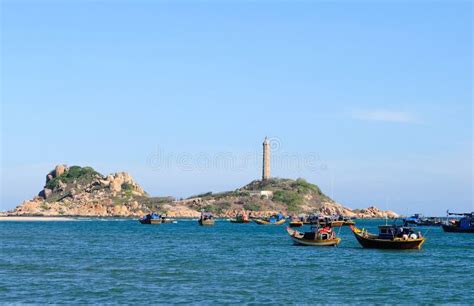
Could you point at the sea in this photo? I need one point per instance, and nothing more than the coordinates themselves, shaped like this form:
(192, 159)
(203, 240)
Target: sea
(122, 261)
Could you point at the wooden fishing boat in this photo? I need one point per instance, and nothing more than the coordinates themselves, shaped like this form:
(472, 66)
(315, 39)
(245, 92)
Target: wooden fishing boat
(207, 219)
(349, 222)
(152, 218)
(240, 218)
(265, 222)
(206, 222)
(336, 223)
(389, 237)
(463, 225)
(313, 239)
(296, 223)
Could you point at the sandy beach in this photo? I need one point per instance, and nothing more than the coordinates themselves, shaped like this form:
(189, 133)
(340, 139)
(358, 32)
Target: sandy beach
(16, 218)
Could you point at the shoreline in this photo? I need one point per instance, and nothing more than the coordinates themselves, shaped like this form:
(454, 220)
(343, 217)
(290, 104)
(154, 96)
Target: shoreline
(80, 217)
(34, 218)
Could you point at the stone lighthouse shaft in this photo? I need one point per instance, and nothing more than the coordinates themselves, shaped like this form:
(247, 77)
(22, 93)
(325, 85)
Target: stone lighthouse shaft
(266, 160)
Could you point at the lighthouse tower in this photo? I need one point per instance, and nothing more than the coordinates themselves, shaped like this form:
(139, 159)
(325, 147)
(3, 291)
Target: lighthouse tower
(266, 160)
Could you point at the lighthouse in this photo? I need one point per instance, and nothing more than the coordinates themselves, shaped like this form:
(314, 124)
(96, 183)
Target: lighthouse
(266, 160)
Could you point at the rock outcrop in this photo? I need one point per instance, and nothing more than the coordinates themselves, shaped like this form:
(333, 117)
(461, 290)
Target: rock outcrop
(82, 191)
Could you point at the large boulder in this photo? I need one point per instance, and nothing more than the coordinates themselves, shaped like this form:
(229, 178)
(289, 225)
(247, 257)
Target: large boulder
(60, 169)
(45, 193)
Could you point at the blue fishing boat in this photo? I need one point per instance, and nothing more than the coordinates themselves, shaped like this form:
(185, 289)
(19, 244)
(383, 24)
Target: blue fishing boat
(465, 224)
(415, 219)
(419, 220)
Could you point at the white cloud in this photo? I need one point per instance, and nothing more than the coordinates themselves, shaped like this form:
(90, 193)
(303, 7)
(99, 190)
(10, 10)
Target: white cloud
(385, 115)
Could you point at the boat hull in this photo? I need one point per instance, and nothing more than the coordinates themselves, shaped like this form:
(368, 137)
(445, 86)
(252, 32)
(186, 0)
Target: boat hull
(155, 221)
(301, 241)
(206, 222)
(336, 223)
(372, 242)
(455, 229)
(239, 221)
(263, 222)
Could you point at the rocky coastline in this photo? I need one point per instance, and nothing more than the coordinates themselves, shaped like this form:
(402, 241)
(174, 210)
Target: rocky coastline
(83, 192)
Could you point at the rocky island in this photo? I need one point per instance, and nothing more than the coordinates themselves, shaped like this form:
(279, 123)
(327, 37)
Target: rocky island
(82, 191)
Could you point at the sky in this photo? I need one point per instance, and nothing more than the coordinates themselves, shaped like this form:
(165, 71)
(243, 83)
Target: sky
(371, 100)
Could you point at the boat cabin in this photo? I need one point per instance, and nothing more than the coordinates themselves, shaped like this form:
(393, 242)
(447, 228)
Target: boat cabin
(206, 216)
(392, 231)
(466, 222)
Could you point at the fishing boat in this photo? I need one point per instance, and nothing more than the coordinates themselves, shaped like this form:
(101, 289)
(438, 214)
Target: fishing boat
(277, 219)
(152, 218)
(346, 221)
(412, 220)
(335, 223)
(430, 221)
(464, 225)
(206, 219)
(349, 222)
(419, 220)
(319, 237)
(314, 219)
(269, 222)
(389, 237)
(241, 218)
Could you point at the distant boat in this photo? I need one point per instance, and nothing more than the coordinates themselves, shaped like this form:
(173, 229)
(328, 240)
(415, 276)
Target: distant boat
(389, 237)
(464, 225)
(415, 219)
(320, 237)
(152, 218)
(419, 220)
(334, 221)
(349, 222)
(277, 219)
(241, 218)
(206, 219)
(269, 222)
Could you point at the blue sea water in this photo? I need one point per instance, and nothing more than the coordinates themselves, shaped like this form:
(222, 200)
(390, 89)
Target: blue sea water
(92, 261)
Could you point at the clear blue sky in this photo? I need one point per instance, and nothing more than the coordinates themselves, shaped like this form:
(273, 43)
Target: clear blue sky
(378, 96)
